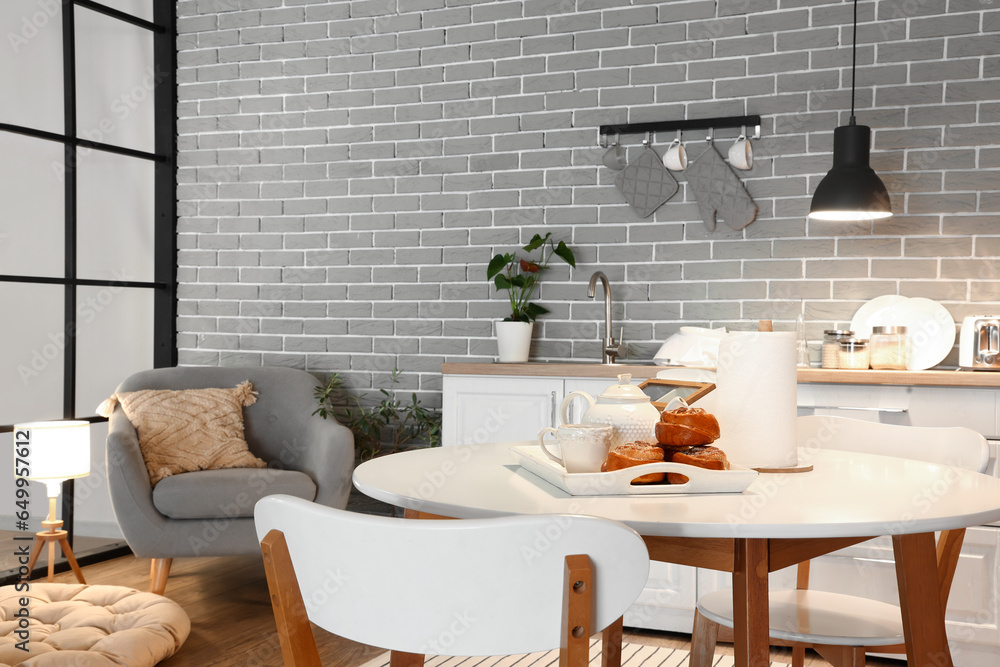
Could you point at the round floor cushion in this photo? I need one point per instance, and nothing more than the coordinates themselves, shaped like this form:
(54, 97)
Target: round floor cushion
(75, 625)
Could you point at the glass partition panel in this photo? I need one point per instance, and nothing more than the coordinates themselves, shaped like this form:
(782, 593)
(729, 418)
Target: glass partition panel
(142, 9)
(114, 217)
(31, 64)
(114, 339)
(33, 343)
(114, 81)
(31, 189)
(94, 518)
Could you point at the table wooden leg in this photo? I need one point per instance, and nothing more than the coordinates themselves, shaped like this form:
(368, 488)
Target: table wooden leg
(920, 601)
(751, 641)
(403, 659)
(611, 645)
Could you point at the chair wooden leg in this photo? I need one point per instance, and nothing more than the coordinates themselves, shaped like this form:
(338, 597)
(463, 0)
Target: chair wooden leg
(578, 590)
(401, 659)
(159, 570)
(611, 644)
(704, 637)
(298, 645)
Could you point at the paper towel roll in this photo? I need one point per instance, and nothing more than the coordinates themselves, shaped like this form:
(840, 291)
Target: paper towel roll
(755, 399)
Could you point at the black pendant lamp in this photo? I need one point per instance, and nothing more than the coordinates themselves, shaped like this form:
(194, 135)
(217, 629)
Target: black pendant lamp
(851, 190)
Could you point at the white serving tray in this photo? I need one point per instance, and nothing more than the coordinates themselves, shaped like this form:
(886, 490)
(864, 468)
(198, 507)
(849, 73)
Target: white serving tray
(619, 482)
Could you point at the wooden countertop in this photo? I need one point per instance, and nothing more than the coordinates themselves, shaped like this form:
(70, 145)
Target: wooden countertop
(930, 378)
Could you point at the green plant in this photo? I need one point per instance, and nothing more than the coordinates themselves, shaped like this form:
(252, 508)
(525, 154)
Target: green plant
(520, 276)
(389, 418)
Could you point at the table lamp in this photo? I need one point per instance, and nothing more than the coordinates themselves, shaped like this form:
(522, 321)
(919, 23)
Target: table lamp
(56, 451)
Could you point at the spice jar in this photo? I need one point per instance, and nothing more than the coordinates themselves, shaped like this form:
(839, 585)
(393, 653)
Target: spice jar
(853, 354)
(831, 346)
(888, 346)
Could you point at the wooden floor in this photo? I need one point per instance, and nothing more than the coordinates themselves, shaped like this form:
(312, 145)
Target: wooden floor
(231, 621)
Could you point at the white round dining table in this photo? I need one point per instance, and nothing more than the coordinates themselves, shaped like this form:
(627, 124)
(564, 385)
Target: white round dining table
(781, 519)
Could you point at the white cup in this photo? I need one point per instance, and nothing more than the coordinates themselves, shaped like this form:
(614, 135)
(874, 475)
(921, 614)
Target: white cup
(582, 447)
(741, 153)
(675, 159)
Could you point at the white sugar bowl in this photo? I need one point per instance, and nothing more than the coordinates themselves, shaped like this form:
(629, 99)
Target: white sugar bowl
(622, 406)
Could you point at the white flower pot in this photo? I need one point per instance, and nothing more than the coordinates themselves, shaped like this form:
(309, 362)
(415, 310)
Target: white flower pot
(514, 341)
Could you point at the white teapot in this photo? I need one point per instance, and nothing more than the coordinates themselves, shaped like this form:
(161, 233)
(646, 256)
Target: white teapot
(622, 406)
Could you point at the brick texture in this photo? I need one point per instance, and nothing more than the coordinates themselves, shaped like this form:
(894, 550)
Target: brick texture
(347, 169)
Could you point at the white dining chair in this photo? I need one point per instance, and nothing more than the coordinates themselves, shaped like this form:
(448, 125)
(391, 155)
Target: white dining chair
(843, 628)
(498, 586)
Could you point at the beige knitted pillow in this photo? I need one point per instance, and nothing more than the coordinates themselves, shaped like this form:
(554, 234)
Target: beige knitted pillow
(189, 429)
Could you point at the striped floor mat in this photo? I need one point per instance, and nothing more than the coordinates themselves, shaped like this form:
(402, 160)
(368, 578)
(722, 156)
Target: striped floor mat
(633, 655)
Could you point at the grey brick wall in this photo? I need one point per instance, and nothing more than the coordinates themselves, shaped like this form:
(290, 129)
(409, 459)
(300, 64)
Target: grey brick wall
(347, 169)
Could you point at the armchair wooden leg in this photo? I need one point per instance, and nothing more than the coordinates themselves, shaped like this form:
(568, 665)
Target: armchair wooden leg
(159, 570)
(704, 637)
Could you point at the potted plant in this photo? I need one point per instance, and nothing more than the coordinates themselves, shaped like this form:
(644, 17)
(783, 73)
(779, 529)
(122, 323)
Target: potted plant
(520, 276)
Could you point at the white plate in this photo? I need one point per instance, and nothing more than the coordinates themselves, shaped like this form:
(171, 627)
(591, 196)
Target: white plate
(929, 326)
(931, 331)
(880, 311)
(618, 483)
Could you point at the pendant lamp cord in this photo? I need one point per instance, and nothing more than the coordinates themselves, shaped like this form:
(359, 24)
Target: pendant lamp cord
(854, 58)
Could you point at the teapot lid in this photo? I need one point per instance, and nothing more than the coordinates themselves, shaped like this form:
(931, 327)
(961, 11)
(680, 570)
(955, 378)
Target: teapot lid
(624, 390)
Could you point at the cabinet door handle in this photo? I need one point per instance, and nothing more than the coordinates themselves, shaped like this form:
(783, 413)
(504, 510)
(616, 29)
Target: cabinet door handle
(552, 405)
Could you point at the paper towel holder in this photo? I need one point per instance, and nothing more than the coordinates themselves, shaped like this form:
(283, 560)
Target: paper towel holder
(767, 326)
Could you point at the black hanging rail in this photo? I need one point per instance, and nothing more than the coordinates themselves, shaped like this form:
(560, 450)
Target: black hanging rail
(682, 125)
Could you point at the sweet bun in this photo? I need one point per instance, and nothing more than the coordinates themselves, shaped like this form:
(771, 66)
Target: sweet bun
(686, 427)
(635, 454)
(710, 458)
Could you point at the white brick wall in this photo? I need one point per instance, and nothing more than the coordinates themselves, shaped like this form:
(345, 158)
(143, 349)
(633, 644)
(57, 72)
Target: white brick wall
(348, 168)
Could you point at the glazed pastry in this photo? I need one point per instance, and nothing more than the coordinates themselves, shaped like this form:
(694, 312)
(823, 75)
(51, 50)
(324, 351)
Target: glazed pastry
(705, 456)
(685, 427)
(635, 454)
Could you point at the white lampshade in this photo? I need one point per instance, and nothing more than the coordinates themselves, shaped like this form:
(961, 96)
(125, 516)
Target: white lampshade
(57, 450)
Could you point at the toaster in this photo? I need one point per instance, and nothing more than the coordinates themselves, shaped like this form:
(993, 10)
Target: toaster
(979, 343)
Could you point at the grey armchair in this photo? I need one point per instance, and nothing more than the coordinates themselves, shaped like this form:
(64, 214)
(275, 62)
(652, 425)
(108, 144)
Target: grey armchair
(210, 512)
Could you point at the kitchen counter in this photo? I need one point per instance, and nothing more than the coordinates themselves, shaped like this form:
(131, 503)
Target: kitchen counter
(929, 378)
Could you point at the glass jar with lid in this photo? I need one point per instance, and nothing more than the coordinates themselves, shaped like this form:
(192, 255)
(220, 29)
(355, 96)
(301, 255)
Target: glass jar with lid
(888, 348)
(831, 346)
(854, 354)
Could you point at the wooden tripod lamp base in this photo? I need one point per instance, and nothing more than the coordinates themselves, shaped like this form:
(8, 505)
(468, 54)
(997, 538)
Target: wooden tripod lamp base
(52, 534)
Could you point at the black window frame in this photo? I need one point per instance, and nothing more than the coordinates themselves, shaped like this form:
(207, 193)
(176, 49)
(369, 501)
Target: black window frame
(164, 284)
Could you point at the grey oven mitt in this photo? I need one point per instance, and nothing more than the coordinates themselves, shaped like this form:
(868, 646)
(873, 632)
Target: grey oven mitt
(645, 183)
(719, 191)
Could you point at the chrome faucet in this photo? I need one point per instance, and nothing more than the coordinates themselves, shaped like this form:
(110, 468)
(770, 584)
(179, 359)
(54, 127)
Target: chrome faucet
(610, 348)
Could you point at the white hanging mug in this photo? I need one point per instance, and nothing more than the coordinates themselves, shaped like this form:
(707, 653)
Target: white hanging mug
(741, 153)
(675, 159)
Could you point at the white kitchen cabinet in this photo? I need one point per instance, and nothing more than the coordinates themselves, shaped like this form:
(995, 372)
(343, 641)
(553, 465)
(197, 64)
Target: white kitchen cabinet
(480, 409)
